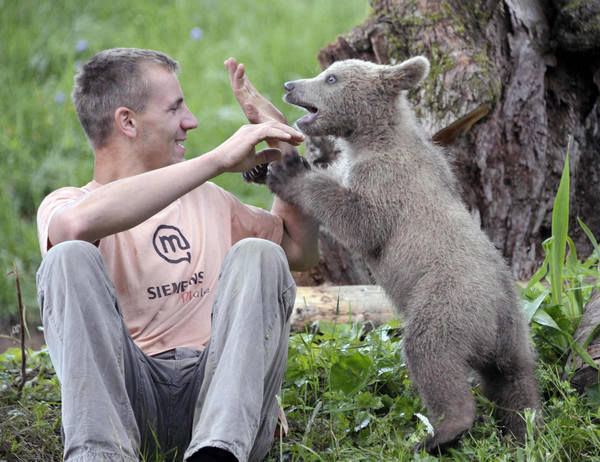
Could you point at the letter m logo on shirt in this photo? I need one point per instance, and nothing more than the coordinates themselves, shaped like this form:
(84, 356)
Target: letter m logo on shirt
(171, 245)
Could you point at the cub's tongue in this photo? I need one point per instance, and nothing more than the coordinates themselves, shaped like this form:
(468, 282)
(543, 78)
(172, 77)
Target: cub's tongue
(307, 118)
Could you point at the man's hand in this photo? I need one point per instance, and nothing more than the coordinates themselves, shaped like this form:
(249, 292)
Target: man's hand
(238, 153)
(256, 107)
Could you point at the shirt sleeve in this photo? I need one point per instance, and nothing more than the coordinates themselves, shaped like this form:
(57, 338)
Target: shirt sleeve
(49, 206)
(251, 221)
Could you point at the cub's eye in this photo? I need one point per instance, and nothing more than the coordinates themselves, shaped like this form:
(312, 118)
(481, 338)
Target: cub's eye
(331, 78)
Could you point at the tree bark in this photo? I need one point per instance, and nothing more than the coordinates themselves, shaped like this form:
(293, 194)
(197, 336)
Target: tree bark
(536, 64)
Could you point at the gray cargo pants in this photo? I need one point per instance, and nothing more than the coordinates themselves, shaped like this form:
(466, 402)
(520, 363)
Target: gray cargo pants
(118, 403)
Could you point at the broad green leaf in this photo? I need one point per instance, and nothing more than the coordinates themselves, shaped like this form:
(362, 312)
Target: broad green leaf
(530, 307)
(544, 319)
(350, 373)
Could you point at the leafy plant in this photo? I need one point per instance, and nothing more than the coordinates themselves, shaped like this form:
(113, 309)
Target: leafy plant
(554, 299)
(29, 422)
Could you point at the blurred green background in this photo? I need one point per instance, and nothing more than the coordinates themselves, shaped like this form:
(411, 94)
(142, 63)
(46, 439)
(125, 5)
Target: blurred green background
(42, 146)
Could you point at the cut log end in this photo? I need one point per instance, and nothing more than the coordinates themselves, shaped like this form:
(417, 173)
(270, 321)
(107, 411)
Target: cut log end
(341, 304)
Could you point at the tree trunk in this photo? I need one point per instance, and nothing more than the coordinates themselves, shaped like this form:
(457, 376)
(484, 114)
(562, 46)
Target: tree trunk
(536, 64)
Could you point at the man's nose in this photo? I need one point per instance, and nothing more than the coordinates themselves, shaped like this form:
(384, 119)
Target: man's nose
(189, 121)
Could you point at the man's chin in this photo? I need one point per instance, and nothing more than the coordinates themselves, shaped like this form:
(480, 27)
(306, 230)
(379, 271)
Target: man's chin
(177, 157)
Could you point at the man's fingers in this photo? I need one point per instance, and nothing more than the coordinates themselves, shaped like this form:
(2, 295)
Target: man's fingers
(272, 131)
(255, 106)
(229, 65)
(239, 73)
(233, 69)
(283, 132)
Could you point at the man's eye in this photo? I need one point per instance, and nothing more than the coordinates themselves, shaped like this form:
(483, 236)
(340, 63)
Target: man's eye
(331, 78)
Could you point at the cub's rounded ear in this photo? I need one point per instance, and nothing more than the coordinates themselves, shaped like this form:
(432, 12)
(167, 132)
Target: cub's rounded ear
(407, 74)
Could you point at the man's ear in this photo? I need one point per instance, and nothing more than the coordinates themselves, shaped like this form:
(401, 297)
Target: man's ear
(407, 74)
(125, 122)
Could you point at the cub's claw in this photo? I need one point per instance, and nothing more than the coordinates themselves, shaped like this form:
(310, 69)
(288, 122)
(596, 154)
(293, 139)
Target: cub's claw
(256, 174)
(282, 174)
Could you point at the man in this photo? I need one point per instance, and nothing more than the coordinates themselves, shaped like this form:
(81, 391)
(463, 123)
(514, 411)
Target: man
(128, 284)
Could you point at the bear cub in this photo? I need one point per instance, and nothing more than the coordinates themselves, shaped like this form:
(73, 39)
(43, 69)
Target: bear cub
(392, 197)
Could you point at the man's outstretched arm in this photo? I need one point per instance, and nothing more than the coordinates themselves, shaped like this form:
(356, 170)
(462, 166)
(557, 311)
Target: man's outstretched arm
(127, 202)
(301, 232)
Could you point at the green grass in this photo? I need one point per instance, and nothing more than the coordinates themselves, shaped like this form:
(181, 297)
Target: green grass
(347, 397)
(376, 415)
(42, 146)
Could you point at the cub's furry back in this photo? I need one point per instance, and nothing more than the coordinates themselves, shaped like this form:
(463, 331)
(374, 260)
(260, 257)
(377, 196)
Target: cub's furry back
(393, 198)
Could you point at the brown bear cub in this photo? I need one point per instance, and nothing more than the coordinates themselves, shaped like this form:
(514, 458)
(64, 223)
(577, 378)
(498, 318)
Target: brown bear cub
(393, 198)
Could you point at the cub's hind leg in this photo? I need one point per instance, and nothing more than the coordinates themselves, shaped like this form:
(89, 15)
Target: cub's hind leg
(513, 390)
(443, 386)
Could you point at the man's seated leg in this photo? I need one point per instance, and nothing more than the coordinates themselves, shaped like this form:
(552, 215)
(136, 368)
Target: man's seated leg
(246, 357)
(86, 337)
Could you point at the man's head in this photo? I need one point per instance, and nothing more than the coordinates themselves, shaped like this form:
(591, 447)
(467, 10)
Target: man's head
(111, 79)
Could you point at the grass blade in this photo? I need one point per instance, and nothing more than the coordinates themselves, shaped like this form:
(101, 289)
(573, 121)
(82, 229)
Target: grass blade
(590, 236)
(560, 226)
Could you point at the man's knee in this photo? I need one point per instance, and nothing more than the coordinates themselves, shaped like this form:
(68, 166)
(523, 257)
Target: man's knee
(255, 244)
(72, 250)
(258, 250)
(72, 258)
(259, 261)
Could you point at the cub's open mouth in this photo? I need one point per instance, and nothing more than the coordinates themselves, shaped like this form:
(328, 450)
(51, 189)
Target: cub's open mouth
(312, 113)
(291, 98)
(309, 108)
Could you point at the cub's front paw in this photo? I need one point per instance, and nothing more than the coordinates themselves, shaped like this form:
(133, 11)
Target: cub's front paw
(256, 174)
(284, 175)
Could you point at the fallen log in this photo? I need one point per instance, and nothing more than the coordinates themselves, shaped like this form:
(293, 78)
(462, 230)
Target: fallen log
(342, 304)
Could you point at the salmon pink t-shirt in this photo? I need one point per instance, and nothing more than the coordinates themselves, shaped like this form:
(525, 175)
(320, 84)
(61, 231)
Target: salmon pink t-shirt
(165, 270)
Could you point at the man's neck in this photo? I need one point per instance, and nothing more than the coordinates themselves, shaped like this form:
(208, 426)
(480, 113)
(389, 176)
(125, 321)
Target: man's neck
(115, 162)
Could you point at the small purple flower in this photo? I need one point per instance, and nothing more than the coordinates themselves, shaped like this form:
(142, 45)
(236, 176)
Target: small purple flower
(81, 46)
(59, 97)
(196, 33)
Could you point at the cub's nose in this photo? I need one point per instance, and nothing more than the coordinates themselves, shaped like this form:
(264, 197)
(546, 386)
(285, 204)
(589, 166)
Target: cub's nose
(289, 86)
